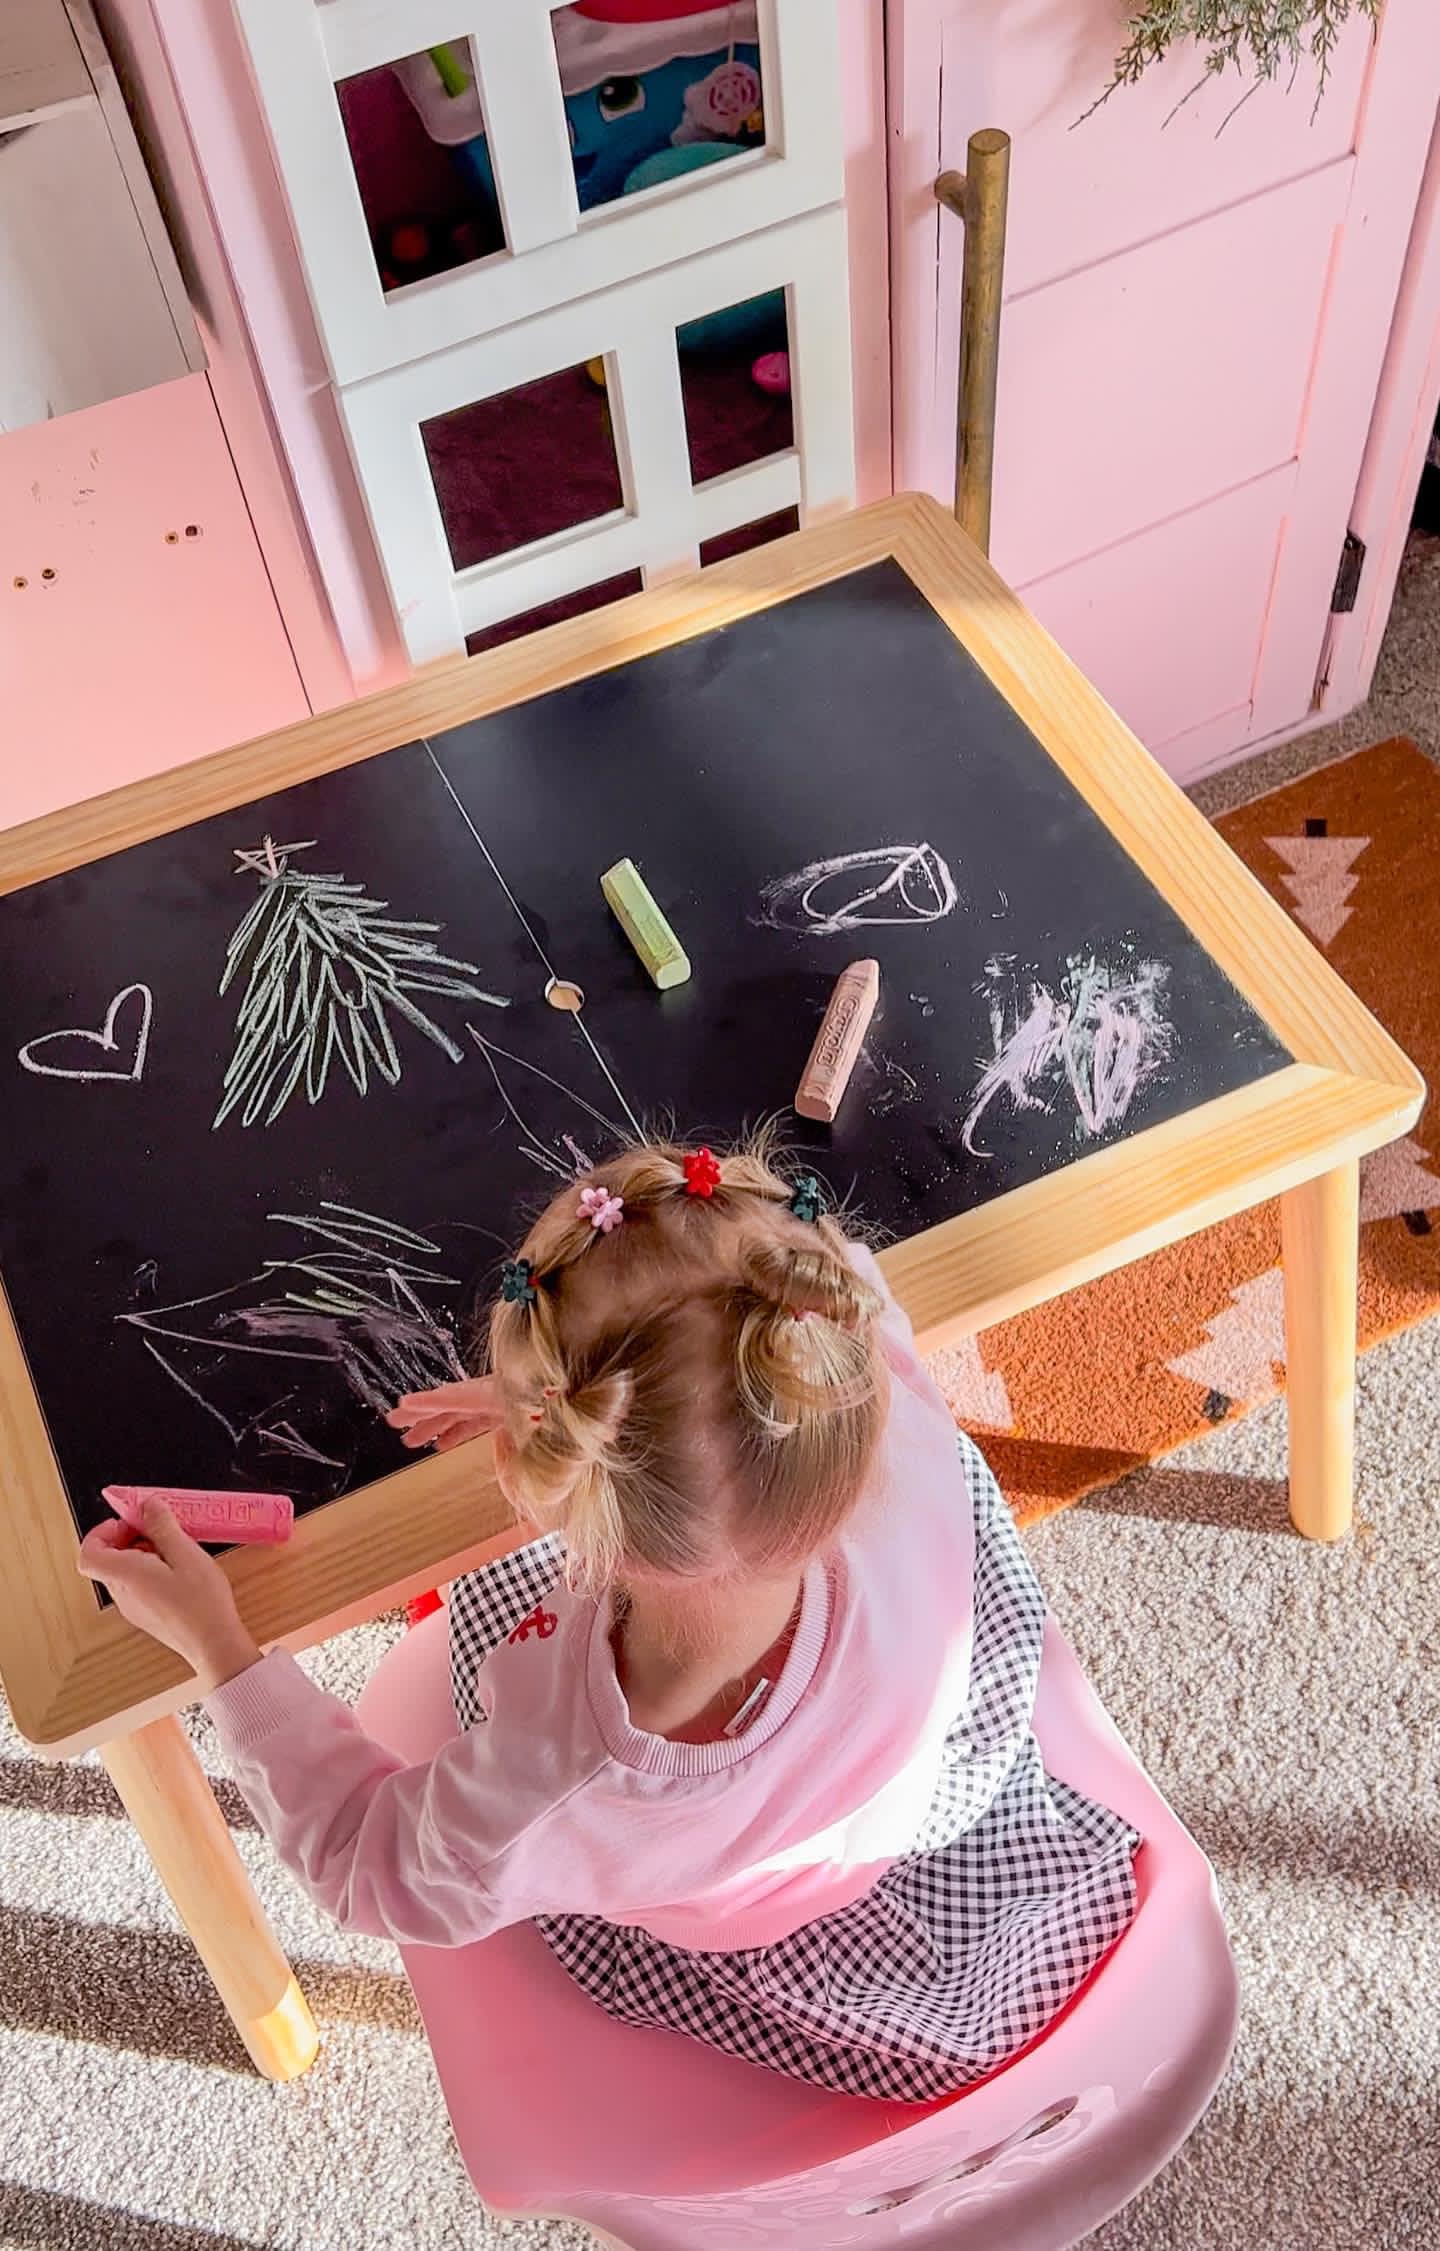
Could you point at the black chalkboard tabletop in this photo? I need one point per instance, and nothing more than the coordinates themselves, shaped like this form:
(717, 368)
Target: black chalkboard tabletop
(283, 1073)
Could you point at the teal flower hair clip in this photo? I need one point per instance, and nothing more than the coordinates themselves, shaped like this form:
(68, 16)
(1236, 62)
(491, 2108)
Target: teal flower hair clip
(808, 1201)
(517, 1282)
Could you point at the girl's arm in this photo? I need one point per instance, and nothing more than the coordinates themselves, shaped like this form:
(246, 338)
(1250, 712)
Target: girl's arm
(385, 1848)
(414, 1853)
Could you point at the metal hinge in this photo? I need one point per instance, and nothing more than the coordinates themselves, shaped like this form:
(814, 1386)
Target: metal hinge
(1347, 578)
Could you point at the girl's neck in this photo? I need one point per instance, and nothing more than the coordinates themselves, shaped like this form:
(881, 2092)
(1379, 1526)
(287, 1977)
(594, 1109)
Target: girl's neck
(688, 1661)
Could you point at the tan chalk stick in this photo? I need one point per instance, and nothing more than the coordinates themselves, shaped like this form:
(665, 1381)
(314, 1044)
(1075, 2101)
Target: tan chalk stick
(838, 1042)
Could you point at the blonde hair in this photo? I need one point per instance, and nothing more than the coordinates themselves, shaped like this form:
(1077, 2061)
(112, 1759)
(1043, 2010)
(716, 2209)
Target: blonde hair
(697, 1394)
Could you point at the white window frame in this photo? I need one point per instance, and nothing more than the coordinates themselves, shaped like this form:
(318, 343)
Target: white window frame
(299, 49)
(665, 515)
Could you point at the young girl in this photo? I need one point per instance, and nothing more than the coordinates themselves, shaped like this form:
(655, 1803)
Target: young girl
(746, 1729)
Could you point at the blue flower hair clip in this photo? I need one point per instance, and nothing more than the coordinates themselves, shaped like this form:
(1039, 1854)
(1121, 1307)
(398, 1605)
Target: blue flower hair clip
(808, 1201)
(517, 1282)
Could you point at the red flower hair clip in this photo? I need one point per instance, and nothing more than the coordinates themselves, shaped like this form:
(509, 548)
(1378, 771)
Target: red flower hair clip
(702, 1173)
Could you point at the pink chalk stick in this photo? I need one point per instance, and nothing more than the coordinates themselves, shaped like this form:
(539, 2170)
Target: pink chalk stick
(241, 1519)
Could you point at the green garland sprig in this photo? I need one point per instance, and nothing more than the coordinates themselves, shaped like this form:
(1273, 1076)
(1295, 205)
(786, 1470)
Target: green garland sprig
(1262, 37)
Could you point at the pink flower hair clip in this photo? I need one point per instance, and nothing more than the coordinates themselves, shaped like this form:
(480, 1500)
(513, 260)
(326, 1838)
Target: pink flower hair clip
(603, 1210)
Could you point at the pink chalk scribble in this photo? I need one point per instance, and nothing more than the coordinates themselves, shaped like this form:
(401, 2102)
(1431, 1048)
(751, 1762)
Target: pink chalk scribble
(1100, 1038)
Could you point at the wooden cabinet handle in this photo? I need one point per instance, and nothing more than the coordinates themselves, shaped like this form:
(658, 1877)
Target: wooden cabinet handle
(979, 196)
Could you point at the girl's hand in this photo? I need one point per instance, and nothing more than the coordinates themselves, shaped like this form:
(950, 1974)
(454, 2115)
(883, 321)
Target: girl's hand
(166, 1584)
(448, 1415)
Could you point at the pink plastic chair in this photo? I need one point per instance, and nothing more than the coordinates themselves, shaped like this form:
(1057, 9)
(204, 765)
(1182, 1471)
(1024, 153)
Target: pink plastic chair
(661, 2144)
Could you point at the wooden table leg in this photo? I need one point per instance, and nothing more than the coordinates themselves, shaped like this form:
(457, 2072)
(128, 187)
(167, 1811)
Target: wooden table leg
(163, 1788)
(1320, 1235)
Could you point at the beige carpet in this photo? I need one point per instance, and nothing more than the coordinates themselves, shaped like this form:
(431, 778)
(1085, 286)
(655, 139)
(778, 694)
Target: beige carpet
(1286, 1698)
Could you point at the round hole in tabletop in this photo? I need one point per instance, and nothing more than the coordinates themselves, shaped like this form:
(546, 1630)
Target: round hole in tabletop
(562, 992)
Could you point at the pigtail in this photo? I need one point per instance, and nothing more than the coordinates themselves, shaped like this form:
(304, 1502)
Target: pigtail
(805, 1349)
(576, 1451)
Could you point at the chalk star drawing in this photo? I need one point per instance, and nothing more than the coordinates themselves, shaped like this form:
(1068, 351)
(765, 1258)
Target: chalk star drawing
(1319, 881)
(262, 858)
(1099, 1039)
(43, 1054)
(889, 885)
(328, 968)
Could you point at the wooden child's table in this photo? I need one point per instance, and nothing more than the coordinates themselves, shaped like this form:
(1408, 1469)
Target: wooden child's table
(232, 1227)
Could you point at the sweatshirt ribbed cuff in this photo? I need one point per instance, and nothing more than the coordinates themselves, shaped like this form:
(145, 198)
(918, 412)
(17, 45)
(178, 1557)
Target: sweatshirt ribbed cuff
(258, 1701)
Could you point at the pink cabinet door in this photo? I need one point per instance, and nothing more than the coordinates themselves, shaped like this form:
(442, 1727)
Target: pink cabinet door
(138, 628)
(1198, 299)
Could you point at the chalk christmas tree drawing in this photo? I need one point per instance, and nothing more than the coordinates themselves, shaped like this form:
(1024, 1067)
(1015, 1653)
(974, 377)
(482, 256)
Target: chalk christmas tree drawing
(1244, 1345)
(974, 1393)
(1395, 1184)
(1319, 881)
(328, 970)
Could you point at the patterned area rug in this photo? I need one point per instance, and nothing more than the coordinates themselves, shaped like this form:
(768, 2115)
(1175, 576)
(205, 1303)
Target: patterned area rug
(1069, 1397)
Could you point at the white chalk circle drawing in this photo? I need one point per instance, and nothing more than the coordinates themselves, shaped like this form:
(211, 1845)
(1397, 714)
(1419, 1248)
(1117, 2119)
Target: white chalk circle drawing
(889, 885)
(76, 1054)
(328, 969)
(1097, 1040)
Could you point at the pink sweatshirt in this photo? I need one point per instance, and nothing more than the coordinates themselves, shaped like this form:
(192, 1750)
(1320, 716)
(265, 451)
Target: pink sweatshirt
(559, 1806)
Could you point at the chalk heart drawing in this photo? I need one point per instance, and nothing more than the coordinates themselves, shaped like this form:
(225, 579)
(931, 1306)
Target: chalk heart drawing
(77, 1054)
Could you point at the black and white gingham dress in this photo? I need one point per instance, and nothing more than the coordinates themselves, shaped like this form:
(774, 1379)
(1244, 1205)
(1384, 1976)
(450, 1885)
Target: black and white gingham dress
(1014, 1887)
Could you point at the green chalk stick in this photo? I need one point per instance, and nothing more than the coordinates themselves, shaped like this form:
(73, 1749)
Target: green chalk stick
(452, 75)
(644, 925)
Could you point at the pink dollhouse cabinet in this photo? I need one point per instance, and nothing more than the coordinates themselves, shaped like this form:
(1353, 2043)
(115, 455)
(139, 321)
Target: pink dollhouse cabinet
(138, 625)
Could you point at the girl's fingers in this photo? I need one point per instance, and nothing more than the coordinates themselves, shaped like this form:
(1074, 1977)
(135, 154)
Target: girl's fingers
(111, 1534)
(105, 1552)
(415, 1404)
(473, 1395)
(164, 1535)
(422, 1429)
(441, 1434)
(115, 1566)
(441, 1431)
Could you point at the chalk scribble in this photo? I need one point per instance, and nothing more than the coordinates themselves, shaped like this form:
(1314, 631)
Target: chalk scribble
(896, 1090)
(561, 1155)
(361, 1294)
(1098, 1038)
